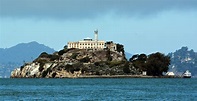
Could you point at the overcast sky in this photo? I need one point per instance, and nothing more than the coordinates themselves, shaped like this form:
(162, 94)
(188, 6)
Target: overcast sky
(142, 26)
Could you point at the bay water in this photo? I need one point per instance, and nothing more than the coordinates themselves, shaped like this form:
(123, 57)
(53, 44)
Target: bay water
(99, 89)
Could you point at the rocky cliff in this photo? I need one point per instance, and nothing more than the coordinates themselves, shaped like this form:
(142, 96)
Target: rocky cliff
(75, 63)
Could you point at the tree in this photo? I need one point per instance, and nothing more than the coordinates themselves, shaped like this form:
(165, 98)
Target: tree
(65, 47)
(142, 57)
(126, 68)
(157, 63)
(133, 58)
(139, 61)
(61, 52)
(44, 55)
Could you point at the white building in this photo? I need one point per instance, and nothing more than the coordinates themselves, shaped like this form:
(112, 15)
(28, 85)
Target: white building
(88, 43)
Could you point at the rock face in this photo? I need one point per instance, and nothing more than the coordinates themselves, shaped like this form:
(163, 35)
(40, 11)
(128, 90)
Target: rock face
(71, 63)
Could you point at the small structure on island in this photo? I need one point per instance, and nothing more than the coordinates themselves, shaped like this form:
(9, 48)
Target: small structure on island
(170, 74)
(111, 46)
(144, 73)
(88, 43)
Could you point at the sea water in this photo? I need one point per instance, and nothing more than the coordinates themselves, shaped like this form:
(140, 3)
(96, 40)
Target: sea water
(99, 89)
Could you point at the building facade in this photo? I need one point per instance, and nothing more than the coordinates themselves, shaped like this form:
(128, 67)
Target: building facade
(88, 43)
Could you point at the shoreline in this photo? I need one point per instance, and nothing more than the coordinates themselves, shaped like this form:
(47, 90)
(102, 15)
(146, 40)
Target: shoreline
(108, 76)
(122, 76)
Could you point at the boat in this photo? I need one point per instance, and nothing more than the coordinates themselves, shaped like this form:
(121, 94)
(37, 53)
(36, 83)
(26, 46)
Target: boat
(187, 74)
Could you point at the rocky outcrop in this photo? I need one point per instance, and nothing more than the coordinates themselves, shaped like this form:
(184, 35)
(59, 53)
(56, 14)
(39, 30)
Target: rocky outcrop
(73, 63)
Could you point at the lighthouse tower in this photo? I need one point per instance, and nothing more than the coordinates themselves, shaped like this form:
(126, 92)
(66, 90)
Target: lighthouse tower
(96, 35)
(96, 39)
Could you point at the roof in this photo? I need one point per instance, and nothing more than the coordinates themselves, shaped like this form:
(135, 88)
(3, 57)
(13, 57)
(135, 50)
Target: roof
(88, 38)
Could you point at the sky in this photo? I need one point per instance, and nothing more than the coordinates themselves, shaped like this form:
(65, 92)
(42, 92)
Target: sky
(142, 26)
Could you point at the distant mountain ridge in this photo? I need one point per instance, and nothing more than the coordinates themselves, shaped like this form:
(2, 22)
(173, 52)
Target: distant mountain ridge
(182, 60)
(128, 55)
(13, 57)
(23, 52)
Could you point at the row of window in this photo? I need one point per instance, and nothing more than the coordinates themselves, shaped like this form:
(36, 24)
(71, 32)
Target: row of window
(91, 44)
(76, 46)
(89, 47)
(86, 44)
(85, 47)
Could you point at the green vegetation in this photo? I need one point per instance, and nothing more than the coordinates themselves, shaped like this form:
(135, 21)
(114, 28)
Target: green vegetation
(44, 58)
(108, 55)
(73, 67)
(54, 57)
(61, 52)
(139, 61)
(155, 64)
(120, 48)
(127, 68)
(74, 55)
(65, 50)
(44, 55)
(85, 60)
(115, 63)
(84, 69)
(44, 74)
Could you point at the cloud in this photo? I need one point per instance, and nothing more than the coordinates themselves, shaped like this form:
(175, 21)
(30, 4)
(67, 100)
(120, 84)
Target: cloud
(85, 9)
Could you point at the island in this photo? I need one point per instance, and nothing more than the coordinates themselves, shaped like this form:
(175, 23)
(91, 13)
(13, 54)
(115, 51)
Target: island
(93, 58)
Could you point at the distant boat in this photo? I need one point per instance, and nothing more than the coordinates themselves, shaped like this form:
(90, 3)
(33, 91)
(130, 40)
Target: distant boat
(187, 74)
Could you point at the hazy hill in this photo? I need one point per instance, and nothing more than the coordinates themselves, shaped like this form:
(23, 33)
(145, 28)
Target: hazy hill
(182, 60)
(15, 56)
(23, 52)
(128, 55)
